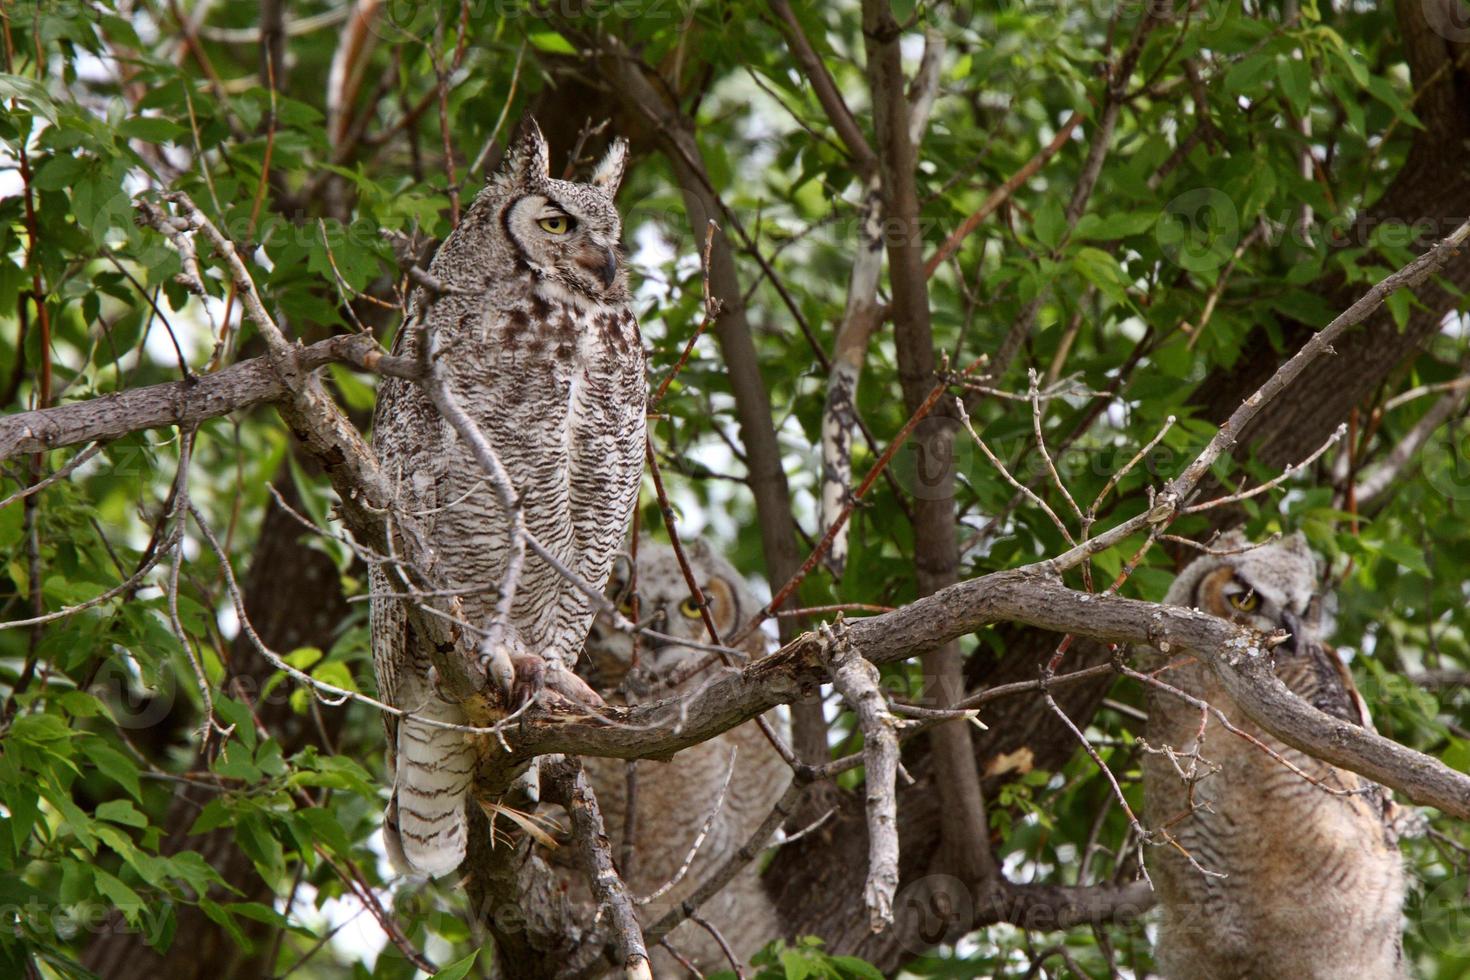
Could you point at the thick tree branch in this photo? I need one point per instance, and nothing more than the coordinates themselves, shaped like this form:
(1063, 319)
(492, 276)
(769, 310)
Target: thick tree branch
(865, 161)
(186, 403)
(857, 680)
(568, 785)
(1033, 597)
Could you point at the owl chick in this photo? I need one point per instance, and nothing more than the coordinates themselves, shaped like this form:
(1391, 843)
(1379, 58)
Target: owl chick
(541, 348)
(673, 799)
(1314, 882)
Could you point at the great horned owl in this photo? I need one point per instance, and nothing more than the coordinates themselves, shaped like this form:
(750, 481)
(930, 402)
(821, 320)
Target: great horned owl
(543, 352)
(1314, 881)
(673, 799)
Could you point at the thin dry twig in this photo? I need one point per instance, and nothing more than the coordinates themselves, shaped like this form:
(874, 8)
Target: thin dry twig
(1000, 467)
(712, 307)
(698, 842)
(1291, 470)
(784, 593)
(62, 473)
(719, 939)
(716, 880)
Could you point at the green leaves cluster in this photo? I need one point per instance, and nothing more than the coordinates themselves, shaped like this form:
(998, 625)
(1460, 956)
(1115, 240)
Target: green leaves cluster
(1194, 209)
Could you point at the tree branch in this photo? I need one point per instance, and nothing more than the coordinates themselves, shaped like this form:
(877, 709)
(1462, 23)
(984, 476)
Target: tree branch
(936, 549)
(1033, 597)
(568, 786)
(186, 403)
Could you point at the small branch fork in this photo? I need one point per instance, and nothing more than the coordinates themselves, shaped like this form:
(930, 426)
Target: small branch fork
(835, 528)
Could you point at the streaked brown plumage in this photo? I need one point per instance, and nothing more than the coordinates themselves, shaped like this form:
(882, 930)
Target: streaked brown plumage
(1314, 882)
(674, 798)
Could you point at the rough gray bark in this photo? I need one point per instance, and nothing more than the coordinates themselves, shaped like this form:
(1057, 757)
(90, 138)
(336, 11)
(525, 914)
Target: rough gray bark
(186, 403)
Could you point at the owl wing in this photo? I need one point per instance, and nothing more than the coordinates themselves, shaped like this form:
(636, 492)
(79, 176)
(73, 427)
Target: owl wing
(608, 419)
(431, 767)
(1321, 678)
(407, 437)
(1317, 675)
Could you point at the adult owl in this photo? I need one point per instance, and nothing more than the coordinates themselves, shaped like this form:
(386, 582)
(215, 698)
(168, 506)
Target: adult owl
(673, 799)
(1314, 883)
(542, 350)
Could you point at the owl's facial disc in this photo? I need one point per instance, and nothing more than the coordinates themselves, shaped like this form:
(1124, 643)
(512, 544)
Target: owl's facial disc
(571, 249)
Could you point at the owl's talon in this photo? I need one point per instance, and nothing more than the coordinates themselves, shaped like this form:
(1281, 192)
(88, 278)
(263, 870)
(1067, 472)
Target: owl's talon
(529, 677)
(495, 661)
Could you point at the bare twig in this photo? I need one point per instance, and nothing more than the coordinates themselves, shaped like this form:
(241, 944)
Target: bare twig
(716, 880)
(857, 681)
(1006, 474)
(698, 842)
(1286, 474)
(61, 474)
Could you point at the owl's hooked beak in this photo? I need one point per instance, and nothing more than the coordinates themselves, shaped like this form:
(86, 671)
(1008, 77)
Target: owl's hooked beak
(1303, 632)
(1304, 628)
(601, 261)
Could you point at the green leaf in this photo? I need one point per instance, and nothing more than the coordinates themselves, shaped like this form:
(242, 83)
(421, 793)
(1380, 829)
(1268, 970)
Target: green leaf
(123, 812)
(128, 902)
(459, 969)
(795, 964)
(1296, 83)
(1389, 96)
(1400, 304)
(151, 129)
(1050, 223)
(116, 766)
(1403, 553)
(59, 172)
(858, 968)
(234, 763)
(551, 42)
(1247, 76)
(1103, 271)
(236, 714)
(28, 92)
(221, 916)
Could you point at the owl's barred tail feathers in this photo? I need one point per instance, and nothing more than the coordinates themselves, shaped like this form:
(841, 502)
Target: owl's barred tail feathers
(424, 830)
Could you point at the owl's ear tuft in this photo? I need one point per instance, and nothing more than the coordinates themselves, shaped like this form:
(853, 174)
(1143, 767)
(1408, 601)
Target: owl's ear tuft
(609, 172)
(530, 156)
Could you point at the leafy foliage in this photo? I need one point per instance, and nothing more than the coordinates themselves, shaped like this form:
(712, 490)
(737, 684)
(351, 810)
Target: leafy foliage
(1203, 227)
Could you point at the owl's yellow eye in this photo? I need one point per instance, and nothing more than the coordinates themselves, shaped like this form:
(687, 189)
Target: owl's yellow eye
(558, 225)
(689, 609)
(1245, 601)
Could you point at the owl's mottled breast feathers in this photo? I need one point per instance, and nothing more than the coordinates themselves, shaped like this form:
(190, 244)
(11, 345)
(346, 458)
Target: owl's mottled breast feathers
(541, 349)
